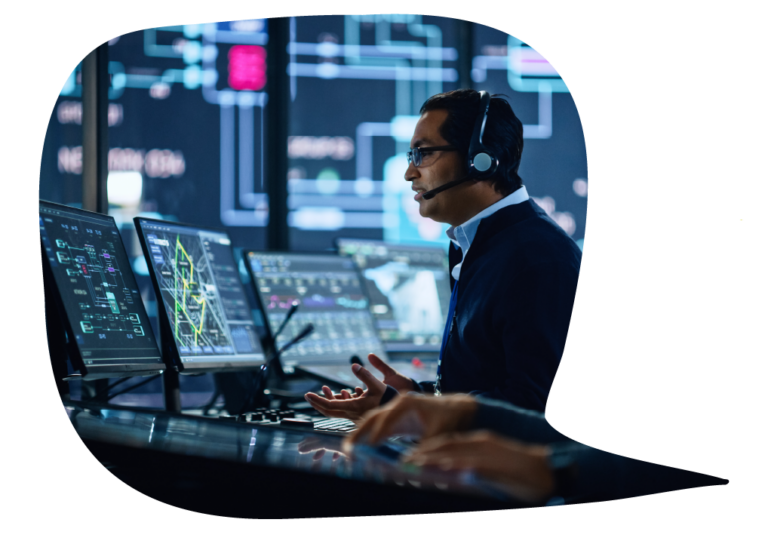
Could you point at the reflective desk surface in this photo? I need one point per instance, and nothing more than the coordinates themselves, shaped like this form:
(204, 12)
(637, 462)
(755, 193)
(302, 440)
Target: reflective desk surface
(223, 467)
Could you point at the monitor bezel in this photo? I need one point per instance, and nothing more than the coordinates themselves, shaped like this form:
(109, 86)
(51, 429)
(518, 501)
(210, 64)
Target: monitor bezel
(404, 244)
(168, 345)
(63, 321)
(263, 311)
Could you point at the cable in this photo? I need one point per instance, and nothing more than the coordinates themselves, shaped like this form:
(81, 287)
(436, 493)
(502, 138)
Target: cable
(131, 388)
(102, 392)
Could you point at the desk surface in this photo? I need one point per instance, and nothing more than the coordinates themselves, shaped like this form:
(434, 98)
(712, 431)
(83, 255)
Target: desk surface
(238, 469)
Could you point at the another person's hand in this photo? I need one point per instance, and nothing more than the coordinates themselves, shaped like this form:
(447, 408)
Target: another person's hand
(416, 415)
(345, 404)
(521, 470)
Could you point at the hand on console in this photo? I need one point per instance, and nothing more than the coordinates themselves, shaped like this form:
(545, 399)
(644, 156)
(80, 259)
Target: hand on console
(416, 415)
(441, 422)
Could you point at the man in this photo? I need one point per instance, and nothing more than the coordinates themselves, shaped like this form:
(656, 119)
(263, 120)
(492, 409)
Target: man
(513, 270)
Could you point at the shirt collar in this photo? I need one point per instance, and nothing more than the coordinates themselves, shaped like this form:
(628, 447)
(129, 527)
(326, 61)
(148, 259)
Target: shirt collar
(463, 235)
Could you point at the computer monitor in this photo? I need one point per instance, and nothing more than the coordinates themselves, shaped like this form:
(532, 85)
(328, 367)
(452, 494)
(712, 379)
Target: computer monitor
(331, 297)
(409, 290)
(91, 290)
(206, 322)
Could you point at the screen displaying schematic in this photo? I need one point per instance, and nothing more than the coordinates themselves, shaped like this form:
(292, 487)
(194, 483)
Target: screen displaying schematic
(98, 290)
(196, 279)
(331, 297)
(409, 288)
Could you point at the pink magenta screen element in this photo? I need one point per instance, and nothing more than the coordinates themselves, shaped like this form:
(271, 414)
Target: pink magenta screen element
(247, 67)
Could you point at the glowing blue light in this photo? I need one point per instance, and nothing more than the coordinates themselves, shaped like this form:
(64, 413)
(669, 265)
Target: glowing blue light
(192, 77)
(192, 52)
(69, 85)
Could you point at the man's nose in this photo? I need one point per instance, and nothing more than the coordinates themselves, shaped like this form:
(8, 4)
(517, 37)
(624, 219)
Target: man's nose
(411, 173)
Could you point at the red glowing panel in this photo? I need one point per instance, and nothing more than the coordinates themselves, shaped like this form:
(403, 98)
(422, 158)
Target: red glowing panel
(247, 67)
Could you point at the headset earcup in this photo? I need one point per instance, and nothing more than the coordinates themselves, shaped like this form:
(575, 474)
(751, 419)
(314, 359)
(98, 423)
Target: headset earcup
(483, 162)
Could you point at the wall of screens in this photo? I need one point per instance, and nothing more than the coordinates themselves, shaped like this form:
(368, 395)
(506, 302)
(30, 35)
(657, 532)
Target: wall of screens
(190, 108)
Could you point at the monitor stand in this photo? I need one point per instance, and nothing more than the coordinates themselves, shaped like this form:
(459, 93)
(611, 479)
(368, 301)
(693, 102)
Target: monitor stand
(171, 391)
(57, 338)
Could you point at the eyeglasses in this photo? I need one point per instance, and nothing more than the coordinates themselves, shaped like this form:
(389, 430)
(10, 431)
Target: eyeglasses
(416, 155)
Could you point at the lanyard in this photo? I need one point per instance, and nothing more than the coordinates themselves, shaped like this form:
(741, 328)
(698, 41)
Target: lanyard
(447, 333)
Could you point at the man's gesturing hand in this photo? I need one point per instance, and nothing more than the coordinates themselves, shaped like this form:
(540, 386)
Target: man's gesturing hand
(416, 415)
(346, 405)
(401, 383)
(352, 406)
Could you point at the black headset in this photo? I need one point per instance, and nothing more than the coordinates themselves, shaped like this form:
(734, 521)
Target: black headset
(480, 161)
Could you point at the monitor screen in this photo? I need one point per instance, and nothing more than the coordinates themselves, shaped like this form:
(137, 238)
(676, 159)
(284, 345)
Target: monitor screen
(331, 297)
(409, 290)
(98, 293)
(204, 307)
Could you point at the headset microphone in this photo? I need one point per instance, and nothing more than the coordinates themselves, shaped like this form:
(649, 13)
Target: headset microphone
(480, 161)
(446, 186)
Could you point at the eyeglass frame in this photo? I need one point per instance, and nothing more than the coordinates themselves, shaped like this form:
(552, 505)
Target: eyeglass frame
(412, 156)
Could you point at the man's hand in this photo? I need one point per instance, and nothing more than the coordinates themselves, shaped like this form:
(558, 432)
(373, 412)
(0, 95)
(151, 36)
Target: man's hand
(416, 415)
(346, 405)
(401, 383)
(352, 406)
(521, 470)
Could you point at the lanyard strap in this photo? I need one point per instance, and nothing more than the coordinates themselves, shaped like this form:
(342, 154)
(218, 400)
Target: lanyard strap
(446, 334)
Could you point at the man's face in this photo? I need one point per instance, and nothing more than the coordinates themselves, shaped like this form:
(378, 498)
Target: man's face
(436, 169)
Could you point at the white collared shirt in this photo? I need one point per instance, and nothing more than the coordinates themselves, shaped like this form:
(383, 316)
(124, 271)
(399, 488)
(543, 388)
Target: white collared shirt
(462, 235)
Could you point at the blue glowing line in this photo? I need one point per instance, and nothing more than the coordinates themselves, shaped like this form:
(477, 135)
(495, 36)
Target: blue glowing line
(519, 82)
(330, 49)
(331, 71)
(152, 49)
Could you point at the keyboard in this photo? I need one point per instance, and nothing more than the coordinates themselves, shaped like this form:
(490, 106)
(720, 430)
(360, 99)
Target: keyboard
(296, 420)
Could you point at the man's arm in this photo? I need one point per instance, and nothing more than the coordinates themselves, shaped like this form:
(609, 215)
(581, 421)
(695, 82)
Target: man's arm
(594, 475)
(519, 423)
(418, 387)
(583, 473)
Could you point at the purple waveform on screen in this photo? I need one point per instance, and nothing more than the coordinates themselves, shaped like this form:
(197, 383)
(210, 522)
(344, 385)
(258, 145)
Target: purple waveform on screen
(318, 301)
(275, 302)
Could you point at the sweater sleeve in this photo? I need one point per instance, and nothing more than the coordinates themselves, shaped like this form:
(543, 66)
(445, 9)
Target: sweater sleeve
(425, 387)
(519, 423)
(390, 393)
(595, 475)
(582, 473)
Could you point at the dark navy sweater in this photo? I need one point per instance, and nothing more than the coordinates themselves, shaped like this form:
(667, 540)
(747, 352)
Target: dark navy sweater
(515, 296)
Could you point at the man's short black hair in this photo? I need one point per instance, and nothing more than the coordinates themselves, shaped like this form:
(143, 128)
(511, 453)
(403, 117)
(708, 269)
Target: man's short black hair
(503, 132)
